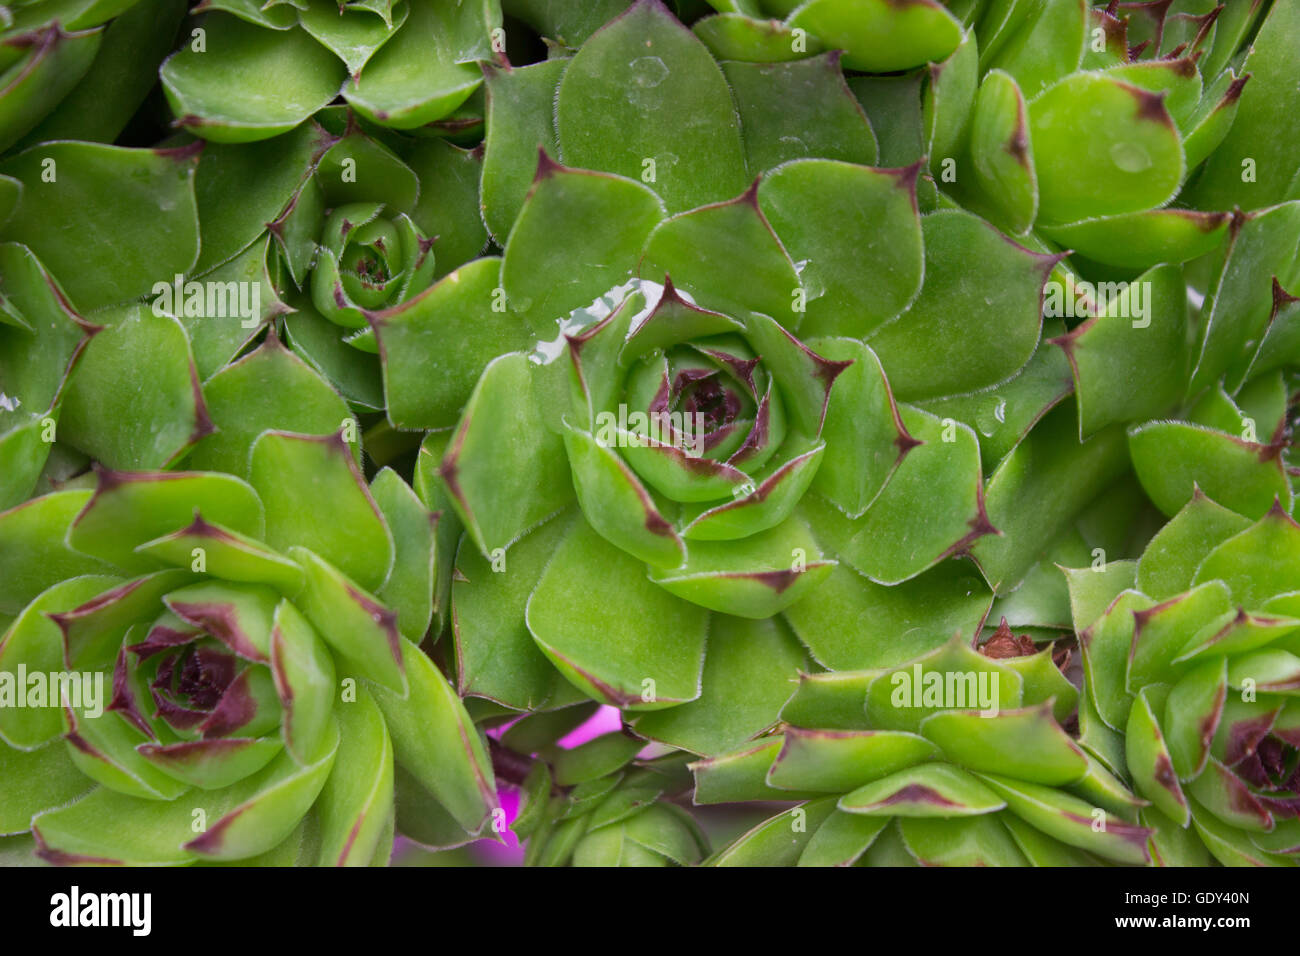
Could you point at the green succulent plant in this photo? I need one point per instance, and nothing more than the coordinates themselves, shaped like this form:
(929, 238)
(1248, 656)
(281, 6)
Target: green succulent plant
(262, 702)
(957, 758)
(599, 805)
(735, 310)
(1191, 668)
(216, 262)
(385, 386)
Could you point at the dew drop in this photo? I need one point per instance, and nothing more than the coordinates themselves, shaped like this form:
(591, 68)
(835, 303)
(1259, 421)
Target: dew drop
(990, 415)
(1130, 157)
(814, 286)
(648, 71)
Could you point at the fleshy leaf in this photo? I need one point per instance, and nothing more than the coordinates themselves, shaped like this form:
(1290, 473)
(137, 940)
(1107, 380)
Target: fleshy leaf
(129, 509)
(36, 780)
(520, 121)
(880, 36)
(35, 642)
(857, 235)
(103, 420)
(1027, 744)
(644, 88)
(301, 477)
(503, 403)
(838, 761)
(436, 743)
(1259, 563)
(1003, 184)
(409, 588)
(1150, 764)
(727, 257)
(578, 235)
(1071, 820)
(1262, 246)
(1141, 239)
(351, 621)
(798, 110)
(779, 841)
(226, 554)
(357, 802)
(1048, 43)
(850, 622)
(1169, 562)
(902, 698)
(422, 74)
(1127, 157)
(304, 679)
(134, 209)
(865, 437)
(427, 387)
(657, 657)
(496, 656)
(1042, 484)
(617, 504)
(33, 552)
(886, 544)
(270, 388)
(748, 674)
(927, 790)
(249, 83)
(50, 68)
(1131, 361)
(935, 347)
(1268, 102)
(753, 577)
(1173, 458)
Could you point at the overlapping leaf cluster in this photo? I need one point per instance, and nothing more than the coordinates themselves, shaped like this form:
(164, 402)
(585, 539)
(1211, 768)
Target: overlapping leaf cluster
(732, 367)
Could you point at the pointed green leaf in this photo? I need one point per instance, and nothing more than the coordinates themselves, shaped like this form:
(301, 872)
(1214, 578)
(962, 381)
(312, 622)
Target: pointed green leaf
(880, 36)
(856, 233)
(727, 257)
(748, 675)
(33, 552)
(578, 235)
(128, 510)
(301, 477)
(798, 110)
(351, 621)
(137, 205)
(656, 658)
(356, 803)
(249, 83)
(1173, 458)
(422, 74)
(304, 679)
(934, 348)
(644, 88)
(927, 790)
(435, 741)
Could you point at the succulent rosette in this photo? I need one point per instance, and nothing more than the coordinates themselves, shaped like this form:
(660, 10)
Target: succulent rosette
(1191, 676)
(638, 306)
(237, 680)
(957, 758)
(339, 225)
(366, 260)
(600, 803)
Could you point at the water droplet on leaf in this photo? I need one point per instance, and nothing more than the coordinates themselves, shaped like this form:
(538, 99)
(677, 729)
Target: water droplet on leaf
(1130, 157)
